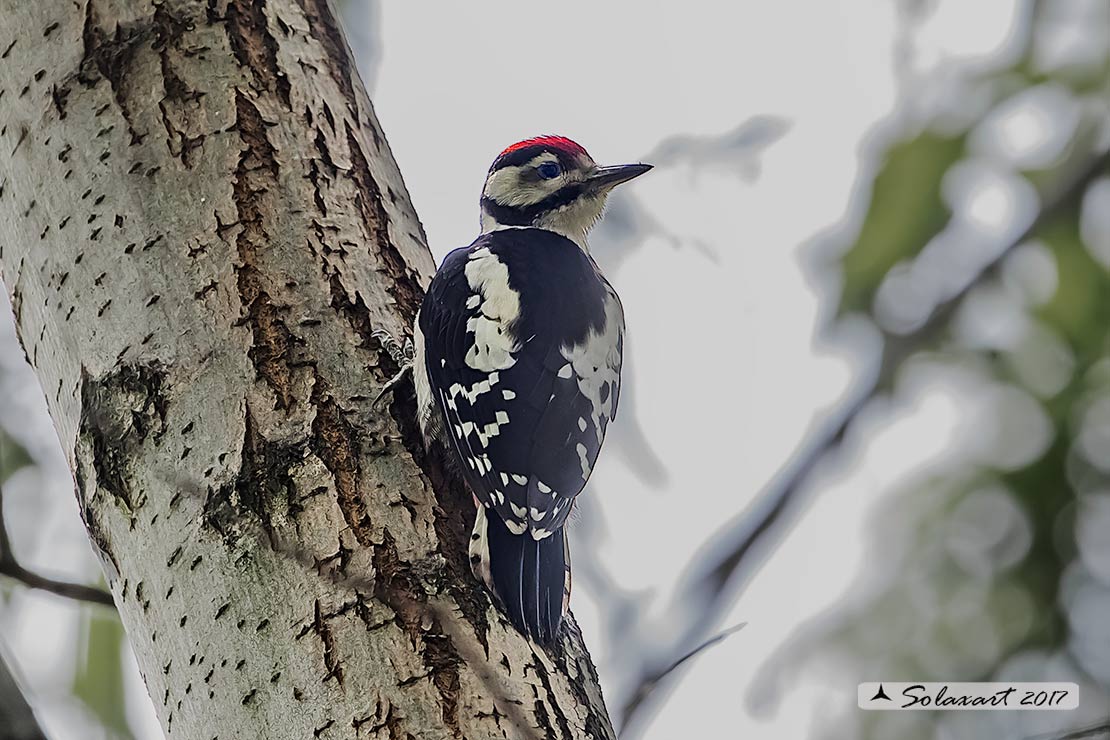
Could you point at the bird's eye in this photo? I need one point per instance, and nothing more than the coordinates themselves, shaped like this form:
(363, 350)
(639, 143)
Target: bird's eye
(549, 170)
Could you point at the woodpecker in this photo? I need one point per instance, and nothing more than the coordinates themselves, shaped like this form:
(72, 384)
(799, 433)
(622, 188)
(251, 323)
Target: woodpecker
(516, 360)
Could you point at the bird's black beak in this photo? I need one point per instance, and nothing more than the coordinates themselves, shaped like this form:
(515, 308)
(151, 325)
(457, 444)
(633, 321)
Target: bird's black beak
(606, 177)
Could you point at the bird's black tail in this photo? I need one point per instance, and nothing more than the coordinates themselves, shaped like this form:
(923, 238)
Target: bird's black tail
(529, 578)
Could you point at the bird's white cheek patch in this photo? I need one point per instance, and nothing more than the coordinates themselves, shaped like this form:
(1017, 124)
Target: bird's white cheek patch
(497, 308)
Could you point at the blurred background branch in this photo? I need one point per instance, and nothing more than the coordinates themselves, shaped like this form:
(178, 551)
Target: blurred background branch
(11, 568)
(723, 575)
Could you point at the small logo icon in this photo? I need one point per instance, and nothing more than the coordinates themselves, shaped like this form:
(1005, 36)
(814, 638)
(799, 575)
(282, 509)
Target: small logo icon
(880, 694)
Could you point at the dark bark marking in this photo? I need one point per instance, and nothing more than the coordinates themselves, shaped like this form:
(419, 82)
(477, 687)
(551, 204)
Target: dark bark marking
(108, 57)
(23, 133)
(205, 290)
(396, 586)
(255, 47)
(322, 630)
(118, 413)
(597, 724)
(549, 694)
(333, 441)
(169, 28)
(403, 284)
(324, 159)
(317, 196)
(273, 342)
(263, 481)
(355, 311)
(442, 660)
(324, 27)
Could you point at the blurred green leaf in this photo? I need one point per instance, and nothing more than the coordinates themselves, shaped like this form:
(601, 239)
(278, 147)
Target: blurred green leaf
(12, 456)
(905, 212)
(99, 678)
(1080, 308)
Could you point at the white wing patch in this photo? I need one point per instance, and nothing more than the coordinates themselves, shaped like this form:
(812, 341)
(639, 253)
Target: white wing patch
(498, 306)
(584, 460)
(596, 364)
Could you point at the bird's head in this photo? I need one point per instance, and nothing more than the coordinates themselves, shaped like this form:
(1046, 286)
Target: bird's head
(550, 182)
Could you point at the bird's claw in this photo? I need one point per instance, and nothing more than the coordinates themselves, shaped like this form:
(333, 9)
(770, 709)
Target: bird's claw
(402, 354)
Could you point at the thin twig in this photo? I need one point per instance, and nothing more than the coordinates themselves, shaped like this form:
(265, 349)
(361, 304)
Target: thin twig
(78, 591)
(11, 568)
(632, 705)
(718, 585)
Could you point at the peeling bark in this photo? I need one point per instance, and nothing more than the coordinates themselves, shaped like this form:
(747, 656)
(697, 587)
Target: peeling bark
(200, 225)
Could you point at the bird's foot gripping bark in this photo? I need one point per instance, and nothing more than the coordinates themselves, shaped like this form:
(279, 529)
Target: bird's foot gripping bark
(402, 354)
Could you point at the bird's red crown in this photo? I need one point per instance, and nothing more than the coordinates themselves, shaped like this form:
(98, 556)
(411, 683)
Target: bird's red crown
(560, 143)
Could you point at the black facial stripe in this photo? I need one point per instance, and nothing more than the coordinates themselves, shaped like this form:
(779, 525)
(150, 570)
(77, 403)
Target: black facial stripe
(527, 154)
(527, 215)
(506, 215)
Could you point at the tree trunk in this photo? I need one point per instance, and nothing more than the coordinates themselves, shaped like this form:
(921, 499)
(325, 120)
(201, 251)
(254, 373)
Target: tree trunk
(200, 224)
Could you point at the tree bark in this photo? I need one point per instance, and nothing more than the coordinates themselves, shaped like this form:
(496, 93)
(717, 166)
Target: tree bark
(200, 224)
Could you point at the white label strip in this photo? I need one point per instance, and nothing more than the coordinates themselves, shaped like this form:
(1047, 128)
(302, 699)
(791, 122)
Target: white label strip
(891, 695)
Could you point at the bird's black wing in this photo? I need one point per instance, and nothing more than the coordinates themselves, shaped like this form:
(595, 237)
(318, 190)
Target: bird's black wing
(523, 342)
